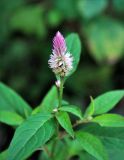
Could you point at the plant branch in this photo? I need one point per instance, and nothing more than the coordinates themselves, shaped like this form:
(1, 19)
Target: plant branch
(77, 123)
(81, 122)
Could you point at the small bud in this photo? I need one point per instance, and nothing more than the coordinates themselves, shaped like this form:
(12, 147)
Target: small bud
(58, 83)
(55, 110)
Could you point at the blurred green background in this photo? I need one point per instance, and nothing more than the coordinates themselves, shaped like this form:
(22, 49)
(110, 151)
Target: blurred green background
(26, 31)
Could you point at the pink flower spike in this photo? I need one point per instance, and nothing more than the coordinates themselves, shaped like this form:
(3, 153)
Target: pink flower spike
(59, 45)
(61, 61)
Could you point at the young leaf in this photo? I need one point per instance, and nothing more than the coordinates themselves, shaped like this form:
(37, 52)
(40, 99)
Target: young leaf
(72, 109)
(64, 121)
(10, 118)
(109, 120)
(92, 145)
(90, 109)
(49, 102)
(74, 47)
(64, 103)
(11, 101)
(33, 133)
(107, 101)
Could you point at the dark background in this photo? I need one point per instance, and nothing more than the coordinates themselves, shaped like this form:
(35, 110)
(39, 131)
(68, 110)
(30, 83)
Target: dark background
(26, 31)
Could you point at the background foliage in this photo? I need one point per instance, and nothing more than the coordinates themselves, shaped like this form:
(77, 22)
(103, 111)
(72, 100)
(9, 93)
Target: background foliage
(26, 31)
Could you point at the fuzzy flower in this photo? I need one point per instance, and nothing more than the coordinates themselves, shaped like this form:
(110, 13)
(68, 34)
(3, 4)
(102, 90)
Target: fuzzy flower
(60, 60)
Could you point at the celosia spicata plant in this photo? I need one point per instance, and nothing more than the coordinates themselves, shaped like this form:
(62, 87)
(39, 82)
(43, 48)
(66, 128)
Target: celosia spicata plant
(93, 134)
(61, 62)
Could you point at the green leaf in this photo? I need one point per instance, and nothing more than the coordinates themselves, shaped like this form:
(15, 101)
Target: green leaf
(116, 154)
(50, 99)
(64, 121)
(3, 155)
(64, 103)
(86, 156)
(89, 8)
(112, 138)
(11, 101)
(49, 102)
(36, 110)
(107, 101)
(74, 47)
(92, 145)
(10, 118)
(109, 120)
(101, 38)
(33, 133)
(72, 109)
(90, 110)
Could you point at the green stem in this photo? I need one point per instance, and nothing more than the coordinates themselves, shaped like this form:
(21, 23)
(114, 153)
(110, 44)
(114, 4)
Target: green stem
(60, 96)
(61, 91)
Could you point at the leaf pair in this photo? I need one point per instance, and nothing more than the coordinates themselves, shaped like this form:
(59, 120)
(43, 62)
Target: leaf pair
(89, 141)
(64, 119)
(105, 102)
(31, 134)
